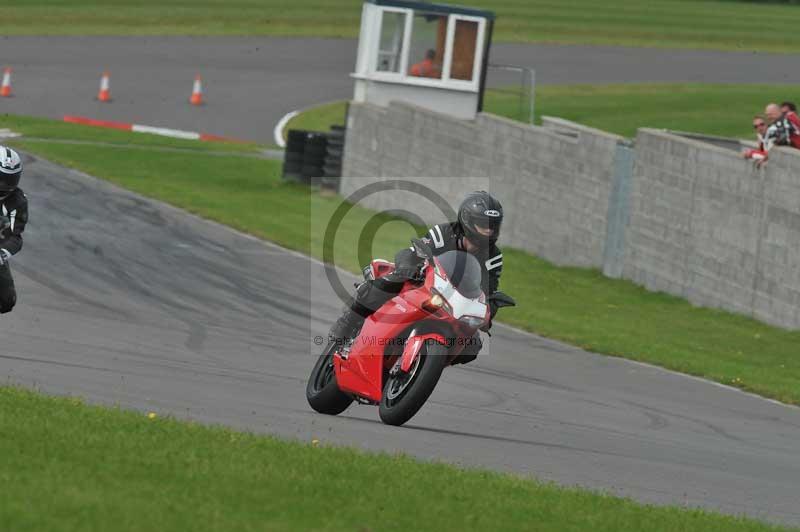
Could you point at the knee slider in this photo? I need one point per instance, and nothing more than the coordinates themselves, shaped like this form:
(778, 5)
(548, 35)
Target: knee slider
(7, 303)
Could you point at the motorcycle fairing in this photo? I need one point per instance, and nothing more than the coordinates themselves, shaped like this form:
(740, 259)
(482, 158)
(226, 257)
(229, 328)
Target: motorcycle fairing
(362, 372)
(414, 345)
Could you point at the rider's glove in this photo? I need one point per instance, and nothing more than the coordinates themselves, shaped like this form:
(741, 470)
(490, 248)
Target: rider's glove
(492, 310)
(4, 256)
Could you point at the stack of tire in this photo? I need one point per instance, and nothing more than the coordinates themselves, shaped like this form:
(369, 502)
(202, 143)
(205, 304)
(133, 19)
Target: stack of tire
(293, 155)
(332, 170)
(314, 157)
(304, 156)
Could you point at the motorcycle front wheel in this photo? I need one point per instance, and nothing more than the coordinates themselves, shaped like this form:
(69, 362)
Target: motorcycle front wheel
(322, 391)
(405, 392)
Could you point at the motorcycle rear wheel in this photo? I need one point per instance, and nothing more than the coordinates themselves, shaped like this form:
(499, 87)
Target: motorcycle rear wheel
(405, 393)
(322, 391)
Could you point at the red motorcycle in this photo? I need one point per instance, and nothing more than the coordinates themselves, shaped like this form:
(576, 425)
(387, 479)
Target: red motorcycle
(402, 349)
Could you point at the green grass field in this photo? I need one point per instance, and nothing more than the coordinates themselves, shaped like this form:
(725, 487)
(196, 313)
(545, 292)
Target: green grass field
(724, 110)
(319, 117)
(58, 130)
(69, 466)
(717, 24)
(579, 306)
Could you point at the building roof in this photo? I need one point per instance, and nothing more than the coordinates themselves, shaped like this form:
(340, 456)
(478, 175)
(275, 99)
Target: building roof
(445, 9)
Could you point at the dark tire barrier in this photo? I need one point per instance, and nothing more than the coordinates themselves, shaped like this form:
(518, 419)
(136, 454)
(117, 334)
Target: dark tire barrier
(332, 169)
(314, 157)
(293, 155)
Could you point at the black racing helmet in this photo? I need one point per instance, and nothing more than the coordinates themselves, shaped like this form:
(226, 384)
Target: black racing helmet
(10, 170)
(481, 215)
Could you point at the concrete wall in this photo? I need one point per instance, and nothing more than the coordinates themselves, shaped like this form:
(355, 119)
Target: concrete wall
(554, 181)
(776, 295)
(671, 213)
(709, 226)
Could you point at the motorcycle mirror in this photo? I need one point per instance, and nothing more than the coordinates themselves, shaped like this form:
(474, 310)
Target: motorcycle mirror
(502, 300)
(422, 249)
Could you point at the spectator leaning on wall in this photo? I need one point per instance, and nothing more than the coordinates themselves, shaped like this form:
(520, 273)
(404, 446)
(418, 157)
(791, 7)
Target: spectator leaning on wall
(764, 144)
(784, 128)
(789, 110)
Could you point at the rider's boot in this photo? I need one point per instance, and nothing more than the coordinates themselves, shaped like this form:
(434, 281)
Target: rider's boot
(346, 327)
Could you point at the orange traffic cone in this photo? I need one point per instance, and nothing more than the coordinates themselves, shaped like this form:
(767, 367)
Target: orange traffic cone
(105, 89)
(5, 88)
(197, 92)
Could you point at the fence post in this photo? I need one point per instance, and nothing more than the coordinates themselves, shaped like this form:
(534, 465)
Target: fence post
(618, 211)
(532, 96)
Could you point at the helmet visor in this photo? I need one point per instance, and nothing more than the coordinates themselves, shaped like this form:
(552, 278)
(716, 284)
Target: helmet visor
(487, 228)
(484, 228)
(9, 182)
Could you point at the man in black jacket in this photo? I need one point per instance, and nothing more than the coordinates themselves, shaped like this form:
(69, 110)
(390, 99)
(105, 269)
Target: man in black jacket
(476, 231)
(13, 217)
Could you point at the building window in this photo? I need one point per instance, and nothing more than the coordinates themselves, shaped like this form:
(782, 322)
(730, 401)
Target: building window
(390, 51)
(464, 43)
(426, 53)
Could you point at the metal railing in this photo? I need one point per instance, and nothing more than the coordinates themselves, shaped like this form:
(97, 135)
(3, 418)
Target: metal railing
(513, 82)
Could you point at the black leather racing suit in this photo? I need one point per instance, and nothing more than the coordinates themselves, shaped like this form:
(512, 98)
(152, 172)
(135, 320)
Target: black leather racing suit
(371, 295)
(13, 217)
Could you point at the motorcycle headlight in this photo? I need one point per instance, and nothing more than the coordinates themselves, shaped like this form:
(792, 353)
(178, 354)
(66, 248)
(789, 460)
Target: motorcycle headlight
(436, 302)
(471, 321)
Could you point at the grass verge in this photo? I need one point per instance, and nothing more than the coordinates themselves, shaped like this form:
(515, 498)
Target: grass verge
(578, 306)
(712, 24)
(69, 466)
(53, 129)
(712, 109)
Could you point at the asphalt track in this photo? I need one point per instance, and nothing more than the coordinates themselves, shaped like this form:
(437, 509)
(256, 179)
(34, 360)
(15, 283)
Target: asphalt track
(126, 301)
(251, 82)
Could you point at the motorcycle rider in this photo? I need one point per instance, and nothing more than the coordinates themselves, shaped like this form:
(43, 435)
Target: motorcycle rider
(476, 231)
(13, 217)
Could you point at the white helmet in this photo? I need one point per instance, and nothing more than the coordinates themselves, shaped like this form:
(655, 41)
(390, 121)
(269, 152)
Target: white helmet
(10, 169)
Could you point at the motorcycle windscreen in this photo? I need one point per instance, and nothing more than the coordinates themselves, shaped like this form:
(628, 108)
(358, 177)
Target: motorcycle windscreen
(463, 271)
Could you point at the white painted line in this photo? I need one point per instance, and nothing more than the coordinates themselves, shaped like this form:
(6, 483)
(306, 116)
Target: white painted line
(622, 360)
(707, 381)
(6, 133)
(166, 132)
(278, 131)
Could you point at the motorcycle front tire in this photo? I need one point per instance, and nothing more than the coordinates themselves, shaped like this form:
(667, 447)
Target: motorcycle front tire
(398, 410)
